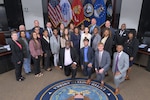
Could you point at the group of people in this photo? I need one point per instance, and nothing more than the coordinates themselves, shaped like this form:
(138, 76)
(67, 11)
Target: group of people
(68, 48)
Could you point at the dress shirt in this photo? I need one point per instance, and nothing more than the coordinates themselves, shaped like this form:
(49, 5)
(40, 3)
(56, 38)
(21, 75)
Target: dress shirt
(68, 59)
(121, 32)
(104, 40)
(85, 54)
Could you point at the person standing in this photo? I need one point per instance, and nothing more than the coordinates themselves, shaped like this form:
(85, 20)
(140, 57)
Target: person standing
(49, 29)
(37, 24)
(68, 60)
(96, 38)
(102, 63)
(22, 28)
(75, 38)
(61, 30)
(45, 41)
(17, 55)
(87, 35)
(36, 53)
(55, 46)
(131, 48)
(121, 35)
(26, 52)
(64, 38)
(120, 66)
(107, 41)
(86, 60)
(93, 25)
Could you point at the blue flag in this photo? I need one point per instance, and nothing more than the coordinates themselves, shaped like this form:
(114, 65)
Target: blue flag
(109, 10)
(100, 12)
(88, 12)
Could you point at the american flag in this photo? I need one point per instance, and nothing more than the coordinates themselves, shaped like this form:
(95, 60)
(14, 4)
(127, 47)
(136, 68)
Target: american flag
(54, 12)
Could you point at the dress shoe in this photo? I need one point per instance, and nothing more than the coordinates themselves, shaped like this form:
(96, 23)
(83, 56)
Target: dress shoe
(88, 81)
(117, 91)
(102, 84)
(127, 78)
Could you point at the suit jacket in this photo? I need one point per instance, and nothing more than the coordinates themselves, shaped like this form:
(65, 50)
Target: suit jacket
(123, 63)
(17, 53)
(25, 47)
(73, 54)
(108, 45)
(95, 41)
(90, 55)
(131, 47)
(45, 45)
(55, 45)
(93, 29)
(120, 39)
(105, 60)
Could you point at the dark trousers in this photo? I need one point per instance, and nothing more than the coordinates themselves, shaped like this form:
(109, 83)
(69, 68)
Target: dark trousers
(87, 71)
(47, 59)
(68, 70)
(18, 70)
(36, 65)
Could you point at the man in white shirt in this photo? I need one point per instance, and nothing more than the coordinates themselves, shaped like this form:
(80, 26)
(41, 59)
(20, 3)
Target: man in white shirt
(68, 60)
(49, 29)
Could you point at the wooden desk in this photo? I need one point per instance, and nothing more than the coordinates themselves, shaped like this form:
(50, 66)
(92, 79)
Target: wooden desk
(5, 62)
(143, 59)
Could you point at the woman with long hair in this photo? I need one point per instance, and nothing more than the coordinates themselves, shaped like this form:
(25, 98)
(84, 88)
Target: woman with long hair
(36, 53)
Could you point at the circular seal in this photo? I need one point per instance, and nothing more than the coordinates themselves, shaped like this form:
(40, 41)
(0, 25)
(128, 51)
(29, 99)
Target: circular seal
(88, 10)
(77, 90)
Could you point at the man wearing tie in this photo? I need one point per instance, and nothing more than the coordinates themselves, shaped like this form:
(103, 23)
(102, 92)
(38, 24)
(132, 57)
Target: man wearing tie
(102, 63)
(120, 66)
(49, 28)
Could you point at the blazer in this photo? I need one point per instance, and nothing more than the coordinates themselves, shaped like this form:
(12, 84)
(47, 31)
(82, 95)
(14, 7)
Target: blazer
(105, 60)
(93, 29)
(45, 45)
(54, 44)
(108, 45)
(17, 53)
(123, 63)
(131, 47)
(90, 55)
(120, 39)
(25, 47)
(74, 56)
(95, 41)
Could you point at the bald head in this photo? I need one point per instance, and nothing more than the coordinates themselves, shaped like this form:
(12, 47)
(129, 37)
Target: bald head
(36, 23)
(21, 28)
(93, 21)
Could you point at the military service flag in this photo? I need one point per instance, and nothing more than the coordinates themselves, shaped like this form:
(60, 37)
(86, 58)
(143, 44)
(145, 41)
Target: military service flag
(100, 12)
(77, 12)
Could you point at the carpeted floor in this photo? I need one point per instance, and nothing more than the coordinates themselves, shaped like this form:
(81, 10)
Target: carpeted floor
(138, 88)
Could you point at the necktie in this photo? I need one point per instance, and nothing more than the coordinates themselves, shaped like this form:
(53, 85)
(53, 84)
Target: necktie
(100, 58)
(19, 45)
(117, 59)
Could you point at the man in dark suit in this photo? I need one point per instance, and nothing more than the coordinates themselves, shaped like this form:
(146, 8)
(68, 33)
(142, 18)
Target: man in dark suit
(36, 24)
(121, 35)
(86, 59)
(17, 56)
(93, 25)
(102, 63)
(68, 59)
(49, 29)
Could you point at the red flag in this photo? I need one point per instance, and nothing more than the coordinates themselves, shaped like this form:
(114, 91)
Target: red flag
(77, 12)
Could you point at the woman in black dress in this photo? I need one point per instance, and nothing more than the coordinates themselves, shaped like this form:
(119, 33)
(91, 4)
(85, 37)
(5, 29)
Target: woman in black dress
(131, 48)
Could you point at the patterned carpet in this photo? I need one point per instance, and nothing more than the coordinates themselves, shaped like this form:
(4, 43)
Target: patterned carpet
(77, 90)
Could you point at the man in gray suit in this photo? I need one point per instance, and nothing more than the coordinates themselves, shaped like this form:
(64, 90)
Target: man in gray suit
(102, 63)
(120, 66)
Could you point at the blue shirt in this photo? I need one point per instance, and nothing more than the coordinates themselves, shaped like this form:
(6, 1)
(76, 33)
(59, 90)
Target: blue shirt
(85, 54)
